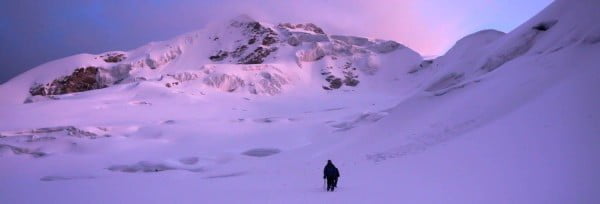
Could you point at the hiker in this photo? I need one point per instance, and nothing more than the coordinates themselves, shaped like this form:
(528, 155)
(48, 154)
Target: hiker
(331, 173)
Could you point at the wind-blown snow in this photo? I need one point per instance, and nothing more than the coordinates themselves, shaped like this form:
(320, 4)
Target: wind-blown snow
(501, 118)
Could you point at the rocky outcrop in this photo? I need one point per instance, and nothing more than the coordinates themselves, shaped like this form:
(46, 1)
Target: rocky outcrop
(219, 56)
(258, 56)
(349, 78)
(113, 57)
(423, 65)
(260, 39)
(82, 79)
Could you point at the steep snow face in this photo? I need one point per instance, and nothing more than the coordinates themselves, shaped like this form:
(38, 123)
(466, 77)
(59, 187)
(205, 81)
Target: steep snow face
(560, 26)
(500, 118)
(226, 55)
(462, 59)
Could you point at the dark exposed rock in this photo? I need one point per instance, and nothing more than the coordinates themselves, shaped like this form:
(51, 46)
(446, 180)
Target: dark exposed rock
(171, 84)
(82, 79)
(350, 79)
(269, 40)
(544, 26)
(255, 27)
(221, 55)
(287, 25)
(37, 90)
(254, 32)
(251, 41)
(423, 65)
(257, 56)
(113, 57)
(314, 28)
(334, 83)
(239, 51)
(258, 29)
(426, 63)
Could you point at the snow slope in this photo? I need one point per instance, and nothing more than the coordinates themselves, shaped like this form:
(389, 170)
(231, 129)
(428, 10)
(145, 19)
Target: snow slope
(500, 118)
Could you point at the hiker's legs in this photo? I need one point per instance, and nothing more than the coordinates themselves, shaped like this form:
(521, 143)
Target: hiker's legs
(330, 184)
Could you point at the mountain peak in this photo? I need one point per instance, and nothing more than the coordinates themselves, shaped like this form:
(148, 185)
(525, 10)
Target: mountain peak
(243, 56)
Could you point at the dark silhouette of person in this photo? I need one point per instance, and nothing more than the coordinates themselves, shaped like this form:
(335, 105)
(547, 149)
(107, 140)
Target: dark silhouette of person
(332, 174)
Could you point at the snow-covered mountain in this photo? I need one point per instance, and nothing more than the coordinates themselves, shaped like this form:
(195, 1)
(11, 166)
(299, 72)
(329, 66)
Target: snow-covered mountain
(246, 111)
(241, 55)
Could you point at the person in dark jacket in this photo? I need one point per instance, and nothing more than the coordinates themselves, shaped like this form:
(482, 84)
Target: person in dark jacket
(331, 173)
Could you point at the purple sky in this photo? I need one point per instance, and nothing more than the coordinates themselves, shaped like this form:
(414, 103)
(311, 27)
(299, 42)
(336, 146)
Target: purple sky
(33, 32)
